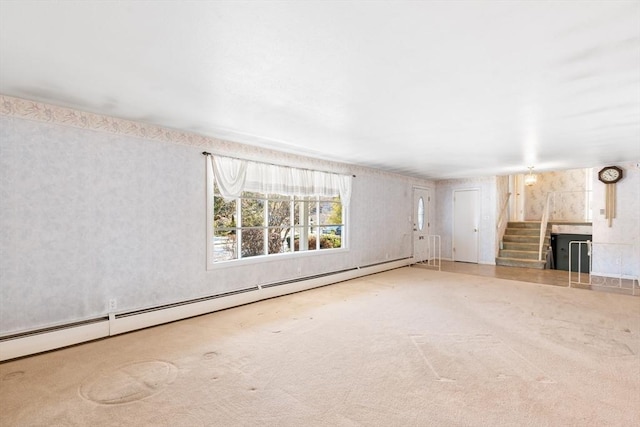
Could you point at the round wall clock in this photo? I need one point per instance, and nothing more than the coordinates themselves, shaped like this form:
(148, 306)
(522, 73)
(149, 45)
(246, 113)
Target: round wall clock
(610, 174)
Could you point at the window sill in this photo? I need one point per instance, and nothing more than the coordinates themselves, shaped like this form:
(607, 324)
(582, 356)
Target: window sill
(273, 258)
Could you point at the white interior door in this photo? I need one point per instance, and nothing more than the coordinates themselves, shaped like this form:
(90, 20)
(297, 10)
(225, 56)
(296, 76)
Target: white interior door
(466, 220)
(421, 200)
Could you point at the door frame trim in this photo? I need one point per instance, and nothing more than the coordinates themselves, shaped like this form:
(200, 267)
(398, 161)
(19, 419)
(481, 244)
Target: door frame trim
(453, 222)
(414, 220)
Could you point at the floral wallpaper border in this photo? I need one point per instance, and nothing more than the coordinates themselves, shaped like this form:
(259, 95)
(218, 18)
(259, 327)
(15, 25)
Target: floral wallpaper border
(48, 113)
(39, 111)
(22, 108)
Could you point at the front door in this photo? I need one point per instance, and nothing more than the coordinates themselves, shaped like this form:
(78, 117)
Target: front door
(421, 224)
(466, 220)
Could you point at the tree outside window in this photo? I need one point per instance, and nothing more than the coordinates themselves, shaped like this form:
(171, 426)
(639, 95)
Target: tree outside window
(259, 225)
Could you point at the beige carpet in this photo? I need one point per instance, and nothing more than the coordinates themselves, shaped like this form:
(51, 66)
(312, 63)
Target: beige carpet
(409, 347)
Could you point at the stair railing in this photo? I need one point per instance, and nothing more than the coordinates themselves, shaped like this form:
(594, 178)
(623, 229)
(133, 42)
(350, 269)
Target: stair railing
(543, 225)
(502, 211)
(500, 226)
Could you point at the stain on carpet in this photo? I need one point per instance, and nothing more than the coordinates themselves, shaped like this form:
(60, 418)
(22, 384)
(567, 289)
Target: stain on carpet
(475, 358)
(128, 383)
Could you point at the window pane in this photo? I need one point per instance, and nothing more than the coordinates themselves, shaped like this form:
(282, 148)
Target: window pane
(298, 212)
(252, 212)
(224, 246)
(330, 213)
(313, 211)
(252, 242)
(279, 224)
(224, 213)
(279, 213)
(279, 240)
(312, 243)
(331, 219)
(330, 241)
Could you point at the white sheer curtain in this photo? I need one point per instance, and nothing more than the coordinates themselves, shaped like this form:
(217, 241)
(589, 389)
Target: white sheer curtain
(230, 174)
(235, 176)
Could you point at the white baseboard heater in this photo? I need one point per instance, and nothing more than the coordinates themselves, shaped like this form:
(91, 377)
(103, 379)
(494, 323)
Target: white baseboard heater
(41, 340)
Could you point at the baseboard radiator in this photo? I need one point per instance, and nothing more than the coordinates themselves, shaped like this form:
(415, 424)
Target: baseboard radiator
(51, 338)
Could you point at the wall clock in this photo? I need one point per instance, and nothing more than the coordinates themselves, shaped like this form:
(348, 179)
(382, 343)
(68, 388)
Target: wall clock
(610, 175)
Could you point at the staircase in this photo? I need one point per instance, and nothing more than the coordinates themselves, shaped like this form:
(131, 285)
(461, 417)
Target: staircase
(520, 245)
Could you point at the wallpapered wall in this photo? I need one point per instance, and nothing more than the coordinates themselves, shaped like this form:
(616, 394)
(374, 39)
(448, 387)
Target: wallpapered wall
(616, 249)
(95, 208)
(609, 258)
(444, 214)
(569, 201)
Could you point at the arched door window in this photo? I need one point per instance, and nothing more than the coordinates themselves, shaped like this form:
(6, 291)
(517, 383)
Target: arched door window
(420, 214)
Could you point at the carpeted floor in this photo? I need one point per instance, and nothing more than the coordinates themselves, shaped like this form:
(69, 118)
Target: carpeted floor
(408, 347)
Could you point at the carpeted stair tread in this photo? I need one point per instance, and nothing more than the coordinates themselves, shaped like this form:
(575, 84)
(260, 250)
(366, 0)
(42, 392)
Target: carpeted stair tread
(516, 262)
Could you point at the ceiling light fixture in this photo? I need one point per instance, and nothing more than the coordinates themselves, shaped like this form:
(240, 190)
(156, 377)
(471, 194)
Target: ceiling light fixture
(530, 179)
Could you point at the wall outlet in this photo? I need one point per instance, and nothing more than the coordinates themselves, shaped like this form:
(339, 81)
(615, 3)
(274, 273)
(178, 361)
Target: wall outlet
(113, 304)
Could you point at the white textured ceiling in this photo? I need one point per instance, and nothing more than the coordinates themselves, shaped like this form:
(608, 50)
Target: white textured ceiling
(433, 89)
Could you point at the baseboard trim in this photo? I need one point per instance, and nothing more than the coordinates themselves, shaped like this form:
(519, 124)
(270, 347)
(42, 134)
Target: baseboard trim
(614, 276)
(51, 339)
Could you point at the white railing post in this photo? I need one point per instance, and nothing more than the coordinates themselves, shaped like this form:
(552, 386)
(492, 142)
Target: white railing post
(543, 225)
(436, 254)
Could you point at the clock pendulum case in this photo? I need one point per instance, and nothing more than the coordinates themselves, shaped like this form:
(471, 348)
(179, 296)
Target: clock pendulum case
(610, 175)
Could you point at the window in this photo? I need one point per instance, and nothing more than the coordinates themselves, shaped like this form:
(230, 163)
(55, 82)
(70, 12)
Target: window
(420, 214)
(256, 224)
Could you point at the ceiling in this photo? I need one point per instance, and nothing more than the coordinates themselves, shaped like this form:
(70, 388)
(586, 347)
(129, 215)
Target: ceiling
(434, 89)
